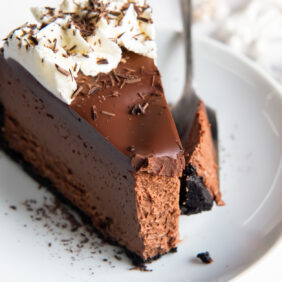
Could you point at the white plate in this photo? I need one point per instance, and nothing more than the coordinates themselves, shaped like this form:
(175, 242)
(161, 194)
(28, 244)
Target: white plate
(249, 108)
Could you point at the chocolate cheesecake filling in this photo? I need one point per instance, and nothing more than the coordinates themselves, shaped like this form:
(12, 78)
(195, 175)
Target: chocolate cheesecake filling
(109, 163)
(199, 183)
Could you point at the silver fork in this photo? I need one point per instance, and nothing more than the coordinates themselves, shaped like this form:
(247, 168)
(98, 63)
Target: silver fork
(184, 110)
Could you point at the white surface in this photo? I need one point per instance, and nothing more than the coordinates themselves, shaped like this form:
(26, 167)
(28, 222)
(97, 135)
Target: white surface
(250, 114)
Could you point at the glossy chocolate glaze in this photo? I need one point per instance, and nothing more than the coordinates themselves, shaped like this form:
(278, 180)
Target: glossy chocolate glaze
(118, 99)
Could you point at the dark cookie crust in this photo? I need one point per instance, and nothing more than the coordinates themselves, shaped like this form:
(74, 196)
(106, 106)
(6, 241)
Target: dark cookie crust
(194, 195)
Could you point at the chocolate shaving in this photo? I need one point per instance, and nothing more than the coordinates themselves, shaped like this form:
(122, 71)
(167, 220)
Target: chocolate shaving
(76, 92)
(94, 113)
(115, 76)
(93, 90)
(140, 95)
(33, 39)
(119, 36)
(153, 80)
(55, 45)
(122, 84)
(85, 55)
(72, 48)
(114, 13)
(112, 79)
(129, 69)
(115, 94)
(102, 61)
(131, 149)
(108, 114)
(145, 20)
(139, 109)
(62, 71)
(132, 81)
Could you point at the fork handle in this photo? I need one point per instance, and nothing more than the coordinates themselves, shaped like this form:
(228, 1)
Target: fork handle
(187, 24)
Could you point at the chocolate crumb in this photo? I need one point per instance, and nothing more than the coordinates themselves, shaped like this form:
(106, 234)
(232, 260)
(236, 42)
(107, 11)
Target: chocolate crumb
(62, 71)
(205, 257)
(12, 207)
(49, 245)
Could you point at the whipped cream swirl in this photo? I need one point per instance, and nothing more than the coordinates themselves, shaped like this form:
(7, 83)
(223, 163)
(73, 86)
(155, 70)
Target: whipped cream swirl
(81, 35)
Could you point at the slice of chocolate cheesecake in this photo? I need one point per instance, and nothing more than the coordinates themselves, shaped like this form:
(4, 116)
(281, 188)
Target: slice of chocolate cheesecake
(83, 105)
(199, 183)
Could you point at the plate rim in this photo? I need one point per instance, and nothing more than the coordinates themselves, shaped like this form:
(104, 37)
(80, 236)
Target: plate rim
(277, 87)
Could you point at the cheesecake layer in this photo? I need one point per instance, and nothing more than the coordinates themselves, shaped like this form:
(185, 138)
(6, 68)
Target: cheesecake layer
(199, 183)
(131, 197)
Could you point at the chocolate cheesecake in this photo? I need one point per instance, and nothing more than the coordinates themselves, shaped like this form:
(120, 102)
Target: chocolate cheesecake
(199, 182)
(83, 105)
